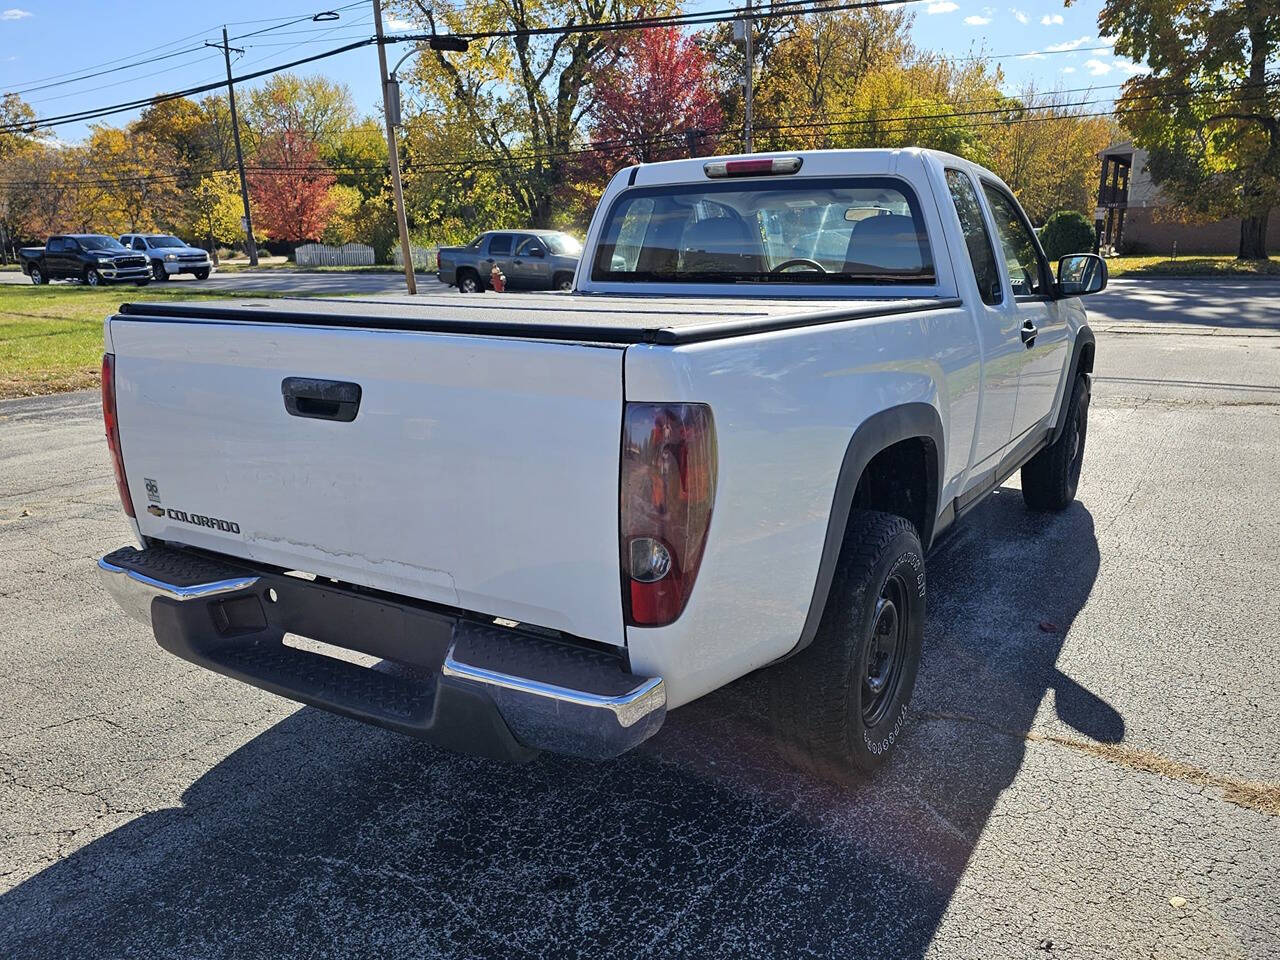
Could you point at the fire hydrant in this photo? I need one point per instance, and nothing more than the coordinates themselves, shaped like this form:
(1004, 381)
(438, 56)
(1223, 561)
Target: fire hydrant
(497, 281)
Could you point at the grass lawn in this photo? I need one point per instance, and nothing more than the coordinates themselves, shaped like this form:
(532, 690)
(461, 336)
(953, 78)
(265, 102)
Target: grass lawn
(1192, 267)
(51, 336)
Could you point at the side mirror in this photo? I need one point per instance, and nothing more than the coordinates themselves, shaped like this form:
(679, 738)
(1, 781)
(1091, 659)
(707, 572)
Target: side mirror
(1080, 274)
(537, 252)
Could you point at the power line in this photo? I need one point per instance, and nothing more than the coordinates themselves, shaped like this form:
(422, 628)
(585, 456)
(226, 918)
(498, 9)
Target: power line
(514, 161)
(116, 65)
(97, 112)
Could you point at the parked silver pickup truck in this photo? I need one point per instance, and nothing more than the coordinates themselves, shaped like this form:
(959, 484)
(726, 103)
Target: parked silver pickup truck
(780, 380)
(529, 259)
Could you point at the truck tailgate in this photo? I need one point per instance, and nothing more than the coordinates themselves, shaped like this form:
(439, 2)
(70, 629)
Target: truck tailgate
(479, 472)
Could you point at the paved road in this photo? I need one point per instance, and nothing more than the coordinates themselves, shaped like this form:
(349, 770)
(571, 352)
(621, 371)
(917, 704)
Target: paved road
(279, 281)
(1108, 787)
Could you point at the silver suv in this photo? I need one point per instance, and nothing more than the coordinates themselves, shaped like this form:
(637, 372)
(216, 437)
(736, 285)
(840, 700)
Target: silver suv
(169, 255)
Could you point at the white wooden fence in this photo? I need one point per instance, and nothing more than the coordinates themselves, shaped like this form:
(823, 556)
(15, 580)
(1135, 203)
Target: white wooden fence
(424, 258)
(322, 255)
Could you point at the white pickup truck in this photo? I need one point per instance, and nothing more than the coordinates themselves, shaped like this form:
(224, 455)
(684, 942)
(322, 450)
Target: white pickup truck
(550, 519)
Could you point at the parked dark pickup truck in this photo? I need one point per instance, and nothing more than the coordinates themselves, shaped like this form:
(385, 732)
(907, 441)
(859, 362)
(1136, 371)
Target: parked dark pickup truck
(532, 259)
(89, 257)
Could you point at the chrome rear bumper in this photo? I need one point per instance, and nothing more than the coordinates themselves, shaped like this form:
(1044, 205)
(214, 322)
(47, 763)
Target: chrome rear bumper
(458, 681)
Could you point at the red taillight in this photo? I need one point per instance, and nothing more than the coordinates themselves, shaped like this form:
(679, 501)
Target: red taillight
(113, 428)
(755, 167)
(668, 487)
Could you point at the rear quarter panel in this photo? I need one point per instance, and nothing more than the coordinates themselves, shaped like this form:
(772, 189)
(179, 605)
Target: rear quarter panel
(786, 405)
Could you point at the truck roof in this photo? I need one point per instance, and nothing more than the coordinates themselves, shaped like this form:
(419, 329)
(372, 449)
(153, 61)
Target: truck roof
(581, 318)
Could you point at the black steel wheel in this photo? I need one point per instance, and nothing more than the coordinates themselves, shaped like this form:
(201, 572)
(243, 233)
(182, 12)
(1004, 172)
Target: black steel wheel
(838, 706)
(886, 649)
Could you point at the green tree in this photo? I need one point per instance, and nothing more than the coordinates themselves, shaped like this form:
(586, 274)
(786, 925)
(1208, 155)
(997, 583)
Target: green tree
(520, 102)
(1047, 153)
(26, 161)
(1067, 231)
(313, 108)
(1208, 112)
(216, 202)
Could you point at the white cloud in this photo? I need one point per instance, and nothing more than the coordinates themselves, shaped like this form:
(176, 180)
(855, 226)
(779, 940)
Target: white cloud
(396, 25)
(941, 6)
(13, 13)
(1125, 66)
(1019, 15)
(1097, 68)
(976, 21)
(1068, 44)
(1052, 19)
(1068, 69)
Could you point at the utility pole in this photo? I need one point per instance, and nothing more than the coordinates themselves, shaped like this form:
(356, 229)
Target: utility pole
(250, 246)
(393, 155)
(748, 78)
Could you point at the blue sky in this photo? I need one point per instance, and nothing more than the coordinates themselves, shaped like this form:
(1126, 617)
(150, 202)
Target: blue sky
(42, 42)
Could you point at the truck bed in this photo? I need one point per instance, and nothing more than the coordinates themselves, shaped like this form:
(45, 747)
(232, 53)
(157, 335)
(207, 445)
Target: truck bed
(589, 319)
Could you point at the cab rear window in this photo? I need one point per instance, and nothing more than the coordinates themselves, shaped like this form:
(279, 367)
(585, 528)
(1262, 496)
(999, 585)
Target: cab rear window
(862, 230)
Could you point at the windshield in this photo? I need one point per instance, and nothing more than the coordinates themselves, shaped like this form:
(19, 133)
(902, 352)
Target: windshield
(839, 230)
(100, 243)
(165, 242)
(563, 244)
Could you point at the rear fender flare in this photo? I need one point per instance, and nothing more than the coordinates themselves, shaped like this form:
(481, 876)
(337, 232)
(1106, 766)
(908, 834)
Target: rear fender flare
(878, 432)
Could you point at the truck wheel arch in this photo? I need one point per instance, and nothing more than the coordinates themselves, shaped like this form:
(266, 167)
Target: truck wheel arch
(1082, 352)
(876, 435)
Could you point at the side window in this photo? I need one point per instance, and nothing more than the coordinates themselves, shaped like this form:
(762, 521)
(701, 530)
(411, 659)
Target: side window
(1017, 243)
(629, 239)
(500, 244)
(55, 245)
(976, 237)
(529, 247)
(139, 243)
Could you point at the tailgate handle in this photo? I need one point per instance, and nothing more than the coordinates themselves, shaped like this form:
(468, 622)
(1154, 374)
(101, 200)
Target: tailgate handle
(321, 399)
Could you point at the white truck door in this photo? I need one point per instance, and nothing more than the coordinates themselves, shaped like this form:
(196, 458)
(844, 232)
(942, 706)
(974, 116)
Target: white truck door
(1042, 328)
(998, 323)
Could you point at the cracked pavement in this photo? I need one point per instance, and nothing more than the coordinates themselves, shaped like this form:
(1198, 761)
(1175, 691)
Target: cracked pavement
(1093, 769)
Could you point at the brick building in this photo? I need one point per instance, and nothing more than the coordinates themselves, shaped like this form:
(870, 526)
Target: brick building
(1129, 211)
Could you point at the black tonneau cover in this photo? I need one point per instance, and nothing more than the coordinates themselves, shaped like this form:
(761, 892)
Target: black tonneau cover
(577, 317)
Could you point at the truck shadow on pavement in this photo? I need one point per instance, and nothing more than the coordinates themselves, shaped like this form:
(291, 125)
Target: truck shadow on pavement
(321, 837)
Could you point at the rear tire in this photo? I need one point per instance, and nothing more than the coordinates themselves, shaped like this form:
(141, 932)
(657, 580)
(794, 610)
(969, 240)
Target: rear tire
(838, 706)
(1050, 478)
(468, 282)
(37, 277)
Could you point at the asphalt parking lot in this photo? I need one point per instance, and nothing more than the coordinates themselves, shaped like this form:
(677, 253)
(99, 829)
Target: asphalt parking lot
(1093, 770)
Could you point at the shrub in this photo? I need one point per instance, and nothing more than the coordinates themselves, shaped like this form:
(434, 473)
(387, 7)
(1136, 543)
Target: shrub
(1067, 231)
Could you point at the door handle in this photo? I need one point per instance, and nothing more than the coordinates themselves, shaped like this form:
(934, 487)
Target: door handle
(1029, 331)
(321, 399)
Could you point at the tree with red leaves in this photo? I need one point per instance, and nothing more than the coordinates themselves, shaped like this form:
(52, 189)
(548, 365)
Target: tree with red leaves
(652, 102)
(291, 189)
